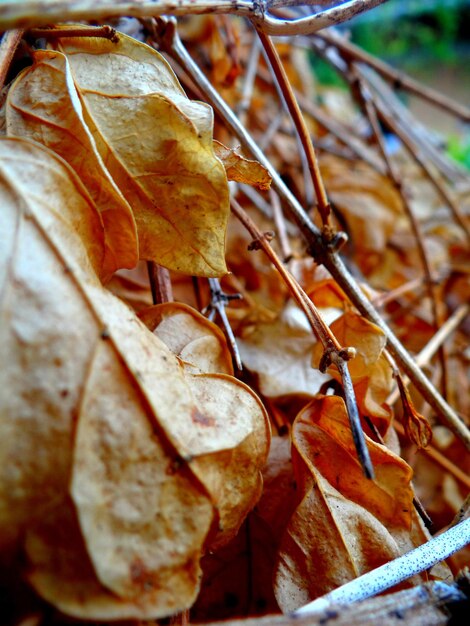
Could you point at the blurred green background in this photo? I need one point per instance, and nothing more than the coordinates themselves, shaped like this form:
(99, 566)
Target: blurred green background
(430, 40)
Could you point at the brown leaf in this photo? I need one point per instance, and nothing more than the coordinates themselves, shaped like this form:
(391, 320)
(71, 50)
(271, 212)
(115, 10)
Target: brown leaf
(232, 420)
(45, 248)
(326, 293)
(143, 516)
(191, 336)
(279, 352)
(233, 449)
(64, 576)
(101, 425)
(345, 524)
(157, 146)
(368, 202)
(43, 105)
(242, 170)
(417, 427)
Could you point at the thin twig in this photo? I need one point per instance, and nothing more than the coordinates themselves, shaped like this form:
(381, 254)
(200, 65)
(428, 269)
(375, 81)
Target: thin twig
(300, 125)
(219, 301)
(320, 329)
(168, 39)
(424, 141)
(160, 283)
(249, 82)
(280, 224)
(333, 351)
(435, 343)
(418, 158)
(8, 46)
(30, 13)
(439, 459)
(392, 171)
(105, 32)
(389, 296)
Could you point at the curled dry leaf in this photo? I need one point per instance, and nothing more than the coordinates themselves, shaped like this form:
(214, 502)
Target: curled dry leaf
(43, 105)
(191, 336)
(242, 170)
(234, 423)
(417, 428)
(344, 524)
(120, 428)
(157, 146)
(237, 427)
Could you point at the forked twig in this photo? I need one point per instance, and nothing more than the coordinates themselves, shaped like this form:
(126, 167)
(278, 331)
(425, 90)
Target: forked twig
(219, 302)
(333, 351)
(30, 13)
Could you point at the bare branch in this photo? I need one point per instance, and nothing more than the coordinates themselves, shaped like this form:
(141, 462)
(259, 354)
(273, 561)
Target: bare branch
(394, 572)
(28, 13)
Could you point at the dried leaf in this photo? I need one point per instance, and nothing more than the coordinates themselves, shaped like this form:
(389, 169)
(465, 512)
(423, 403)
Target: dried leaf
(372, 392)
(49, 241)
(345, 524)
(104, 423)
(417, 427)
(242, 170)
(143, 516)
(63, 575)
(157, 146)
(191, 336)
(232, 448)
(326, 293)
(279, 353)
(368, 202)
(322, 436)
(43, 105)
(234, 423)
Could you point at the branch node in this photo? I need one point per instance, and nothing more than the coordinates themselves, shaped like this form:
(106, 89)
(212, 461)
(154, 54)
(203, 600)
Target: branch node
(347, 354)
(326, 359)
(256, 244)
(334, 240)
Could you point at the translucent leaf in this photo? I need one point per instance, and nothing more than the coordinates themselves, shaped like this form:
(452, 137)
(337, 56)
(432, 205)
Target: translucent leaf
(190, 335)
(345, 524)
(157, 146)
(99, 409)
(242, 170)
(43, 105)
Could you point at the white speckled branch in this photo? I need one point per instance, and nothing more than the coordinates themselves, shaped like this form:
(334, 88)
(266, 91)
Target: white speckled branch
(29, 13)
(394, 572)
